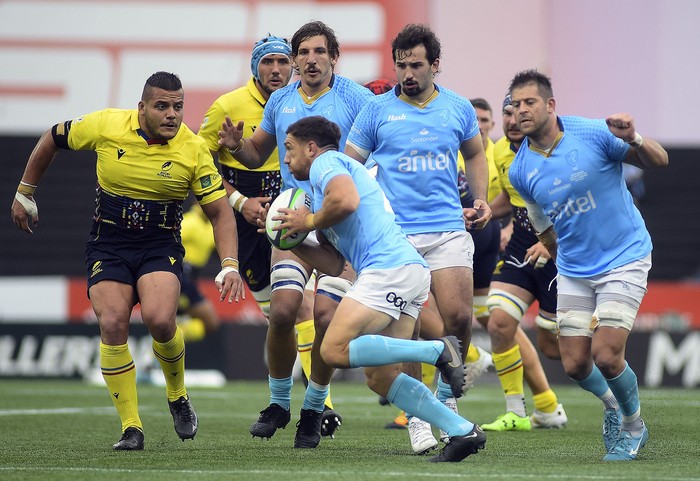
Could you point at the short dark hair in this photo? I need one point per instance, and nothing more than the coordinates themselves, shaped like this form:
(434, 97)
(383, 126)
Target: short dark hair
(532, 76)
(161, 80)
(413, 35)
(312, 29)
(481, 103)
(317, 129)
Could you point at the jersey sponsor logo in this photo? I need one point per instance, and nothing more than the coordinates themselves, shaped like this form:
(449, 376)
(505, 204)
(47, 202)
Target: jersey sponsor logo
(532, 173)
(424, 136)
(397, 301)
(205, 181)
(578, 176)
(581, 205)
(287, 110)
(393, 118)
(424, 162)
(557, 181)
(120, 152)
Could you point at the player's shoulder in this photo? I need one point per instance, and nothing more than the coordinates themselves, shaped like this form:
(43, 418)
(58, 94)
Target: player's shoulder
(583, 125)
(347, 88)
(454, 98)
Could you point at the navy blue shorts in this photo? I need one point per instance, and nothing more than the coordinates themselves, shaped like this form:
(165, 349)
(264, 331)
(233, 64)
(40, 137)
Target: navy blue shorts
(124, 255)
(536, 281)
(487, 243)
(190, 295)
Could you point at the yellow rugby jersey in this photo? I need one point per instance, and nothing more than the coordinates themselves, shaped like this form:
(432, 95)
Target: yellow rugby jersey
(247, 104)
(197, 237)
(503, 157)
(127, 166)
(494, 187)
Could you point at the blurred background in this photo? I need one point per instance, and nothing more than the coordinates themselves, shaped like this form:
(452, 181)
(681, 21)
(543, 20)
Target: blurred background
(60, 59)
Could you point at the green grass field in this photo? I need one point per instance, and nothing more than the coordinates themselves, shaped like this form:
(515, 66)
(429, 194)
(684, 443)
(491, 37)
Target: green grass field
(64, 430)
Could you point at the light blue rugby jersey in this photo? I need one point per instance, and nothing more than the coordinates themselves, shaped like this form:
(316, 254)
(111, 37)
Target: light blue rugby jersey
(340, 104)
(369, 238)
(416, 151)
(582, 189)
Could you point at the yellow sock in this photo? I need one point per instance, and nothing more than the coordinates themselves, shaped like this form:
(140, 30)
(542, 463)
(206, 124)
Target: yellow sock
(509, 367)
(119, 373)
(428, 374)
(306, 332)
(545, 401)
(472, 354)
(171, 356)
(193, 330)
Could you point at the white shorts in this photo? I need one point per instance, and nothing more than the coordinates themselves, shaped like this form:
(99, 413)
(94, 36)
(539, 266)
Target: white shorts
(445, 249)
(402, 290)
(626, 285)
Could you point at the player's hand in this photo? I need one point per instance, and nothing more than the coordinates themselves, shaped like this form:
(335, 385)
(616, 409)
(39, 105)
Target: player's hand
(293, 220)
(252, 207)
(24, 212)
(230, 134)
(622, 126)
(477, 217)
(537, 255)
(230, 284)
(262, 217)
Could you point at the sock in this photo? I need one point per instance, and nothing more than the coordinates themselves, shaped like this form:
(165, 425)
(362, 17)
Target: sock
(413, 396)
(306, 333)
(375, 350)
(281, 391)
(509, 367)
(444, 391)
(171, 356)
(315, 396)
(427, 372)
(472, 353)
(119, 374)
(545, 402)
(596, 384)
(626, 391)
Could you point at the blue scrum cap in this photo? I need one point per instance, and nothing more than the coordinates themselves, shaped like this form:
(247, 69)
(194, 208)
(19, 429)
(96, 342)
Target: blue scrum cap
(507, 101)
(267, 46)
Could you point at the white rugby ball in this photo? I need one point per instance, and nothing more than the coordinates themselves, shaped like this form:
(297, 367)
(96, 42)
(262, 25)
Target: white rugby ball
(292, 199)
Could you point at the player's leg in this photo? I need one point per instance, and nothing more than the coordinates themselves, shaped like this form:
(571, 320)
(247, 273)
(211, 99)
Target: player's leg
(316, 419)
(289, 276)
(112, 303)
(158, 292)
(619, 295)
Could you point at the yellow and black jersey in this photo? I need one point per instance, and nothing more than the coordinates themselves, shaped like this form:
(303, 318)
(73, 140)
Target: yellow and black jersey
(246, 104)
(494, 187)
(503, 155)
(141, 183)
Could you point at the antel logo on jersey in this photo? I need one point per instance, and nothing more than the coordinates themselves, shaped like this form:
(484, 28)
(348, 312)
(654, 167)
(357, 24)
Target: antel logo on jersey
(572, 207)
(393, 118)
(424, 162)
(287, 110)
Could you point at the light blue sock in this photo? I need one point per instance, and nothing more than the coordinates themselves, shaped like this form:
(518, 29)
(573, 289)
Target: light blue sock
(413, 396)
(374, 350)
(444, 391)
(626, 390)
(315, 396)
(281, 391)
(595, 382)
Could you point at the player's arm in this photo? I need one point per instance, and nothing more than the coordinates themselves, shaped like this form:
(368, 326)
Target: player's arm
(229, 280)
(543, 227)
(321, 254)
(24, 210)
(251, 152)
(645, 153)
(476, 169)
(352, 150)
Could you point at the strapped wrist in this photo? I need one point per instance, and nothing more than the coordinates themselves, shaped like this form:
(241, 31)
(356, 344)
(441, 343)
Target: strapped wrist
(26, 189)
(309, 221)
(637, 142)
(236, 200)
(229, 262)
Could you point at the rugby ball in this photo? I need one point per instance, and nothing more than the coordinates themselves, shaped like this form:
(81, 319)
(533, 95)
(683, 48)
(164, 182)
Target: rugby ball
(292, 199)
